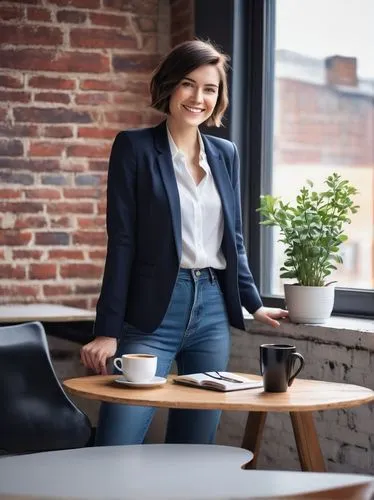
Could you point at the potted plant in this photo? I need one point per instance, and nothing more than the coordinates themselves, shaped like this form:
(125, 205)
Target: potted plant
(312, 232)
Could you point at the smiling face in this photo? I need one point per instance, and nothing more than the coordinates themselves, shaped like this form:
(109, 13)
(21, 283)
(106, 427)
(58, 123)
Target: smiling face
(193, 100)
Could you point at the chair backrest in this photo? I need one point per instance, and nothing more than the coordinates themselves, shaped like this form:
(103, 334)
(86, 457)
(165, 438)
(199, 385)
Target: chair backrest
(35, 414)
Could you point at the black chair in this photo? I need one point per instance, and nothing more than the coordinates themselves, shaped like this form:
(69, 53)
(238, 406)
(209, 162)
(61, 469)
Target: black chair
(36, 414)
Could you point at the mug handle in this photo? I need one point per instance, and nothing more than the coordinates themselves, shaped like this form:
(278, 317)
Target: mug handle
(119, 360)
(301, 359)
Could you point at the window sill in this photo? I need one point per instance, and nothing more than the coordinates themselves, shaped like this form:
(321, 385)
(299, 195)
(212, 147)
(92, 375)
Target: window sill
(338, 330)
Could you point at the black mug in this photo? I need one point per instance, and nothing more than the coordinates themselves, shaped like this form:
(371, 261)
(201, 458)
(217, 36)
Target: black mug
(277, 363)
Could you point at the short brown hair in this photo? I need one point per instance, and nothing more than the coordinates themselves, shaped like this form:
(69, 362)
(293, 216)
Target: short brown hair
(178, 63)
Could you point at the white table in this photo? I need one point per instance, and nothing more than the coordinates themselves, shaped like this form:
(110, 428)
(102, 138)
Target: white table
(145, 472)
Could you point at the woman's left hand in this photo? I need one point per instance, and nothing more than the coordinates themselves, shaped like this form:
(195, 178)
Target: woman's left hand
(269, 315)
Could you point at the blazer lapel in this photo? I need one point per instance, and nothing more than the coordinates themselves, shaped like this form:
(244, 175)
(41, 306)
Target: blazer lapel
(165, 164)
(223, 183)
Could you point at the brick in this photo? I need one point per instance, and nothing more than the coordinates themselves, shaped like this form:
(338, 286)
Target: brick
(88, 151)
(88, 180)
(101, 208)
(91, 99)
(62, 222)
(12, 271)
(27, 254)
(330, 352)
(22, 293)
(47, 82)
(107, 85)
(43, 194)
(56, 290)
(46, 149)
(71, 208)
(71, 16)
(92, 38)
(75, 302)
(47, 115)
(31, 35)
(88, 289)
(134, 62)
(80, 193)
(71, 166)
(31, 2)
(11, 148)
(18, 130)
(97, 254)
(110, 20)
(65, 254)
(11, 81)
(91, 238)
(52, 238)
(91, 222)
(38, 14)
(31, 222)
(9, 13)
(78, 4)
(55, 97)
(43, 271)
(21, 207)
(124, 117)
(91, 303)
(14, 178)
(139, 7)
(49, 60)
(58, 132)
(55, 180)
(361, 359)
(14, 96)
(98, 133)
(98, 166)
(125, 99)
(10, 194)
(83, 271)
(13, 237)
(29, 164)
(3, 113)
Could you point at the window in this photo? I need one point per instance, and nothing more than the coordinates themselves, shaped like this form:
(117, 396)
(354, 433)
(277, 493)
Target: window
(322, 121)
(324, 117)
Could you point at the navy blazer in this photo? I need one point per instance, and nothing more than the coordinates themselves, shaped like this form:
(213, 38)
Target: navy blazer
(144, 232)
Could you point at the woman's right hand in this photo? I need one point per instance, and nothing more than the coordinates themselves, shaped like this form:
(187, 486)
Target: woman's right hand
(95, 354)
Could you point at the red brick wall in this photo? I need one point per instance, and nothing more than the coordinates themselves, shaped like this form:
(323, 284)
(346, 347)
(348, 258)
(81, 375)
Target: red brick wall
(72, 74)
(182, 20)
(322, 125)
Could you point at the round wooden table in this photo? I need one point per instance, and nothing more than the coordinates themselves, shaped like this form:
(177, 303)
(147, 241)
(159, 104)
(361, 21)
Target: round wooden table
(301, 399)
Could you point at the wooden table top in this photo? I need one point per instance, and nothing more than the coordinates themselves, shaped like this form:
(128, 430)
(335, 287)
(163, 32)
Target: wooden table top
(303, 395)
(16, 313)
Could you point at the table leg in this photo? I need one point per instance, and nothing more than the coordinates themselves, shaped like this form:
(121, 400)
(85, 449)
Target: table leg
(253, 435)
(307, 442)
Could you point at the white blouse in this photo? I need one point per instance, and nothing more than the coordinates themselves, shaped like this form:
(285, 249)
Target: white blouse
(201, 212)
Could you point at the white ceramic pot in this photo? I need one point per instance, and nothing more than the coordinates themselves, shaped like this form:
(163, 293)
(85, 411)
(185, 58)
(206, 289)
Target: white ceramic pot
(309, 304)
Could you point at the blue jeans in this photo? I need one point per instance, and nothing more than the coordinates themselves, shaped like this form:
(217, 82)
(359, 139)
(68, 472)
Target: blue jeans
(195, 333)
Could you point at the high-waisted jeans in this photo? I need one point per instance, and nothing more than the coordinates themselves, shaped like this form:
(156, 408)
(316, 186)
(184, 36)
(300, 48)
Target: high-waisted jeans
(195, 333)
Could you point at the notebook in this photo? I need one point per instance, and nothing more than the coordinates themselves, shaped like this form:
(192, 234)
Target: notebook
(211, 380)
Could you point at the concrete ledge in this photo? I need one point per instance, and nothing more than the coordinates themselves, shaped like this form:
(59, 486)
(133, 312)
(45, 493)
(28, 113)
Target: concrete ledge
(338, 330)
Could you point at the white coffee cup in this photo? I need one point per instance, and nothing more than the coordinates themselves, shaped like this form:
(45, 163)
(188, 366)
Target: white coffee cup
(137, 368)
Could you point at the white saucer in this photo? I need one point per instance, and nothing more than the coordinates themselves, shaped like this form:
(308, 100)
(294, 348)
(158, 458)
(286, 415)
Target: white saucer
(152, 383)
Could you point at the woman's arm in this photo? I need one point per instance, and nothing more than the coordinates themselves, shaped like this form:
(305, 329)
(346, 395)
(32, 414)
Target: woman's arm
(121, 220)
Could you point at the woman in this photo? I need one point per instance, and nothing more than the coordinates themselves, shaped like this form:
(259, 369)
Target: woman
(176, 273)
